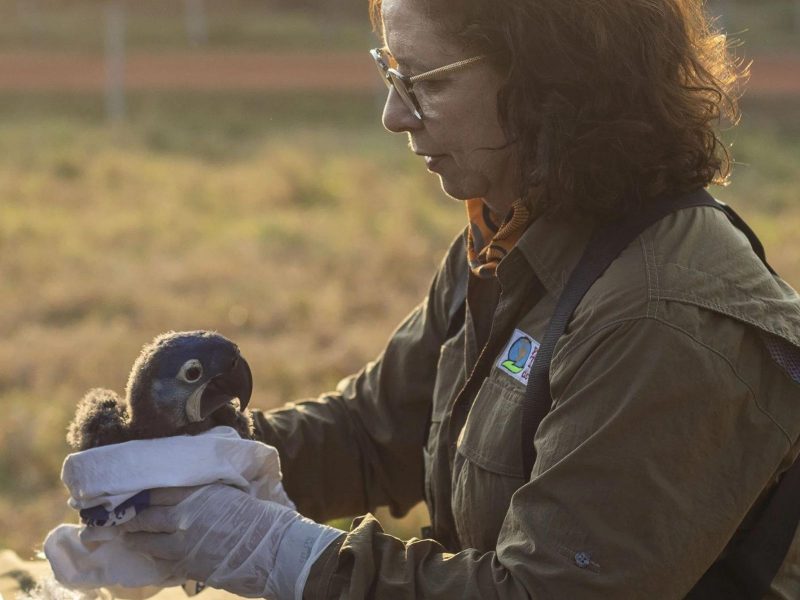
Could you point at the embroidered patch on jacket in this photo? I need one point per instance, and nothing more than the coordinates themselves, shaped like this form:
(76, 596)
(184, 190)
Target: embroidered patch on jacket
(517, 358)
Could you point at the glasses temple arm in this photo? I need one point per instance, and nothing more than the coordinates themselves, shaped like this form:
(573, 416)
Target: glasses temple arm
(446, 69)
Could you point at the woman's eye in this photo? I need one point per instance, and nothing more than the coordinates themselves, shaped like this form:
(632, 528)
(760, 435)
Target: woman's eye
(430, 87)
(191, 371)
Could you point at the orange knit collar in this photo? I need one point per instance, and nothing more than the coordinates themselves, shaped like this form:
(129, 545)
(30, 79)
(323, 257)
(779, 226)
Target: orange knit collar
(487, 242)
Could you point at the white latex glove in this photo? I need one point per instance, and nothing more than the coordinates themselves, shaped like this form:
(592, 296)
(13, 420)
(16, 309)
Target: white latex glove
(230, 540)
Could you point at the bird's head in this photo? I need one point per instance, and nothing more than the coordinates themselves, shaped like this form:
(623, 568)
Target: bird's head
(181, 378)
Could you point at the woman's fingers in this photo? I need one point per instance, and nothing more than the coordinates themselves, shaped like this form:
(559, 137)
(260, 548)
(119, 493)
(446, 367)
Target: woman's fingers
(156, 519)
(171, 496)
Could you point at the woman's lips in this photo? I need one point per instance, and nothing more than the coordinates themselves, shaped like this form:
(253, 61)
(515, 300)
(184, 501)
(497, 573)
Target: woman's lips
(432, 161)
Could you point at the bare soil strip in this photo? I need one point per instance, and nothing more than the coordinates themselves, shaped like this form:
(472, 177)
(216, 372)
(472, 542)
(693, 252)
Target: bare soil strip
(775, 75)
(195, 71)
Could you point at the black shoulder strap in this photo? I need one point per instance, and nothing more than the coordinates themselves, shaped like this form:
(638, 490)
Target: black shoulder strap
(751, 565)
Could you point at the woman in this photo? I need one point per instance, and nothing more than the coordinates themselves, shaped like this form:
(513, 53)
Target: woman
(675, 404)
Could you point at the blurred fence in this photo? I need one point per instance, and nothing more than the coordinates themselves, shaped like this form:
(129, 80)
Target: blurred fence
(78, 26)
(256, 21)
(127, 44)
(347, 8)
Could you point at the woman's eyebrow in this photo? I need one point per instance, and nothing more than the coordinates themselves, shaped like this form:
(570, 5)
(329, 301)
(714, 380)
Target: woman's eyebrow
(409, 62)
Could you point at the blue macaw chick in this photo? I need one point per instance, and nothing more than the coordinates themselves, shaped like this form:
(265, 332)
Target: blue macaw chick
(182, 383)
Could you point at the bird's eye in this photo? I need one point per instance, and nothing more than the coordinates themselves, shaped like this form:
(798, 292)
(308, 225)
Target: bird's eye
(191, 371)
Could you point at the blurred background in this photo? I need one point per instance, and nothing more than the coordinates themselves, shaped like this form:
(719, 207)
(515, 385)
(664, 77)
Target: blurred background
(220, 164)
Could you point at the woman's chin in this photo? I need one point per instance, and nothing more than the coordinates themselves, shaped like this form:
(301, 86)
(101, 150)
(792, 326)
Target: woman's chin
(462, 186)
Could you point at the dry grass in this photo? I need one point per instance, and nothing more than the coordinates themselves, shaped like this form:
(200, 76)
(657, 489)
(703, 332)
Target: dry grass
(293, 225)
(293, 245)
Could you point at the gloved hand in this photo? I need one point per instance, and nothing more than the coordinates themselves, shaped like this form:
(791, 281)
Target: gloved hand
(230, 540)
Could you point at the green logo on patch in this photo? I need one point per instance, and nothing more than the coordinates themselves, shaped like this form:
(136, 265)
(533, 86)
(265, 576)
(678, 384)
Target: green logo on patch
(518, 355)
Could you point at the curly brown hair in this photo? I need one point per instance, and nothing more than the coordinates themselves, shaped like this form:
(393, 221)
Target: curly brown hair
(612, 102)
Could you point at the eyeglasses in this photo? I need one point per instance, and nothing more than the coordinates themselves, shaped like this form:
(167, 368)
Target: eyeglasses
(403, 83)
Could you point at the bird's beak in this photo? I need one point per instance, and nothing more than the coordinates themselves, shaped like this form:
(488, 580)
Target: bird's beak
(220, 390)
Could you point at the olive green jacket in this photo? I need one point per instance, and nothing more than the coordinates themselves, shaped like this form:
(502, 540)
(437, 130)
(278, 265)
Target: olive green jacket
(671, 418)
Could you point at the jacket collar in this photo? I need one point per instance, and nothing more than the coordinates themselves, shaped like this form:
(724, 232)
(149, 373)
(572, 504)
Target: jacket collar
(552, 248)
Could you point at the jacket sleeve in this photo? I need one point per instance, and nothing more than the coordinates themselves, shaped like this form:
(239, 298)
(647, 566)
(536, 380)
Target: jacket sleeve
(654, 452)
(360, 447)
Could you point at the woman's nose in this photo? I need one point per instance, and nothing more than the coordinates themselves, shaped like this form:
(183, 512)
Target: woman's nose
(397, 117)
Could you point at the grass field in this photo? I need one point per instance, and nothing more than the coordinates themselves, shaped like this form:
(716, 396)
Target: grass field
(294, 225)
(269, 219)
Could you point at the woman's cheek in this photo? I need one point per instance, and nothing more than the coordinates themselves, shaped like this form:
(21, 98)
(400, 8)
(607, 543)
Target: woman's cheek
(434, 108)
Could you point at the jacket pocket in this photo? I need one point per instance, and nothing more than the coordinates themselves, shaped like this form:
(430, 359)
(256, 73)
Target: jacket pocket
(488, 465)
(491, 436)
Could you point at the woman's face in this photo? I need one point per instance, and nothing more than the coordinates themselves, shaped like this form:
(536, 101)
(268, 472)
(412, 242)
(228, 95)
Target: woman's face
(459, 135)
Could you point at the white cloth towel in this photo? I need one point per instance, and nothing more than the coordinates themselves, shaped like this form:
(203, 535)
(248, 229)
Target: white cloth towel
(110, 475)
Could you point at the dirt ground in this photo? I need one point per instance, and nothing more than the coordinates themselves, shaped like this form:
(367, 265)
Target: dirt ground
(193, 71)
(774, 75)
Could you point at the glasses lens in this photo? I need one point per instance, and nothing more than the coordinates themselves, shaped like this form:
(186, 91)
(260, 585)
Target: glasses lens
(383, 67)
(382, 71)
(405, 94)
